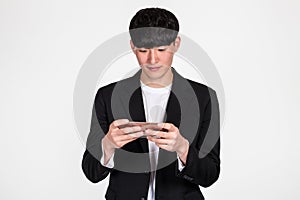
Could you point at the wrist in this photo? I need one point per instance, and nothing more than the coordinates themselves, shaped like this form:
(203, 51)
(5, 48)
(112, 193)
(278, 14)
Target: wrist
(182, 153)
(107, 146)
(108, 151)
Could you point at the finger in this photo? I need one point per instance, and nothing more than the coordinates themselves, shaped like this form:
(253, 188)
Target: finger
(159, 141)
(131, 129)
(129, 136)
(136, 134)
(164, 146)
(150, 132)
(159, 134)
(167, 126)
(120, 122)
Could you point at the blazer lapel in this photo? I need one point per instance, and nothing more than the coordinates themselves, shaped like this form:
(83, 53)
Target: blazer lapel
(173, 113)
(137, 113)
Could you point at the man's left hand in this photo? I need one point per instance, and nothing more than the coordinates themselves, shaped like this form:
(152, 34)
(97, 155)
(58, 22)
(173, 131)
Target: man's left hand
(170, 140)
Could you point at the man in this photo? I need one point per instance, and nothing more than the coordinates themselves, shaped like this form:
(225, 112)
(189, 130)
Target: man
(163, 160)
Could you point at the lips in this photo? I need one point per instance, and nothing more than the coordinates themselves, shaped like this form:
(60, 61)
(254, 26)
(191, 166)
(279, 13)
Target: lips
(154, 68)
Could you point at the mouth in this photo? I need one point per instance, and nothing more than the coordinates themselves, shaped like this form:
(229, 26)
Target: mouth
(153, 68)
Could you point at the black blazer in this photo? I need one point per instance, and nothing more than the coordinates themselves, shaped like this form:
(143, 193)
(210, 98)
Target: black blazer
(129, 179)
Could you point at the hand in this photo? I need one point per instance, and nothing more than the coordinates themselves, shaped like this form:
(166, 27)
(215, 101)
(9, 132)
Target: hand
(171, 140)
(117, 137)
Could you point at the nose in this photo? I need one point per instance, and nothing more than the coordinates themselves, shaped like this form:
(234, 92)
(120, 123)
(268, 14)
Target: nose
(153, 56)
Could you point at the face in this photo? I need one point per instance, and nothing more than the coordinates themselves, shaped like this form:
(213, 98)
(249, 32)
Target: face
(156, 62)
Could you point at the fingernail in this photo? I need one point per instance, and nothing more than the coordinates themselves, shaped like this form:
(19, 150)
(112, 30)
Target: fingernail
(137, 134)
(161, 125)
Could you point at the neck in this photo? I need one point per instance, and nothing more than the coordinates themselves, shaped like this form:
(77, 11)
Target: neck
(166, 80)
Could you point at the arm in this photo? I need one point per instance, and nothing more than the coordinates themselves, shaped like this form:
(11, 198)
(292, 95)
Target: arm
(103, 139)
(200, 158)
(203, 158)
(91, 165)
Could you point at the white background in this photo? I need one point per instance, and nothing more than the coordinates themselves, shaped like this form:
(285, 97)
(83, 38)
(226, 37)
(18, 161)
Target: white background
(254, 45)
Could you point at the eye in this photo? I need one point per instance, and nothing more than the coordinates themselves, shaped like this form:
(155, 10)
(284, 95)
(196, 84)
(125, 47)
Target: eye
(143, 50)
(162, 49)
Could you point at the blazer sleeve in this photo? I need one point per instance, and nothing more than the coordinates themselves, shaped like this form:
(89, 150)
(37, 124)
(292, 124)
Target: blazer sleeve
(91, 165)
(203, 160)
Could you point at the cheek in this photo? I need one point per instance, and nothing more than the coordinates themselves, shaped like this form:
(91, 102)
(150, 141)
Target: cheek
(142, 59)
(167, 60)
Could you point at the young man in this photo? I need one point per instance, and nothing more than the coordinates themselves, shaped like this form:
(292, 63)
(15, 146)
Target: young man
(162, 160)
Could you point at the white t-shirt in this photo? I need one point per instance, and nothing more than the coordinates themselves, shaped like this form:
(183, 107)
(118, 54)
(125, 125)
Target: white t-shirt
(155, 101)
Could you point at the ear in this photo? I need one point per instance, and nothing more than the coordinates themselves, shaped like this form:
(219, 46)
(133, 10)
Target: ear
(177, 43)
(132, 46)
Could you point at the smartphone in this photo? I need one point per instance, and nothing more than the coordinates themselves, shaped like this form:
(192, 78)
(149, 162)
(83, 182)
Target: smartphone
(143, 125)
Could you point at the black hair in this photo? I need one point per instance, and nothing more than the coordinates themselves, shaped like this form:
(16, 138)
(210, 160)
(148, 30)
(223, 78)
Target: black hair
(152, 27)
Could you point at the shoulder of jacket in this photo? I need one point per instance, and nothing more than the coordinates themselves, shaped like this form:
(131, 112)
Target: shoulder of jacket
(200, 87)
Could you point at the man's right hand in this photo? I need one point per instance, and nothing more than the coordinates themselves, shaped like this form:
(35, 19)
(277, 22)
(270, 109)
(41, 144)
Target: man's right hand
(118, 137)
